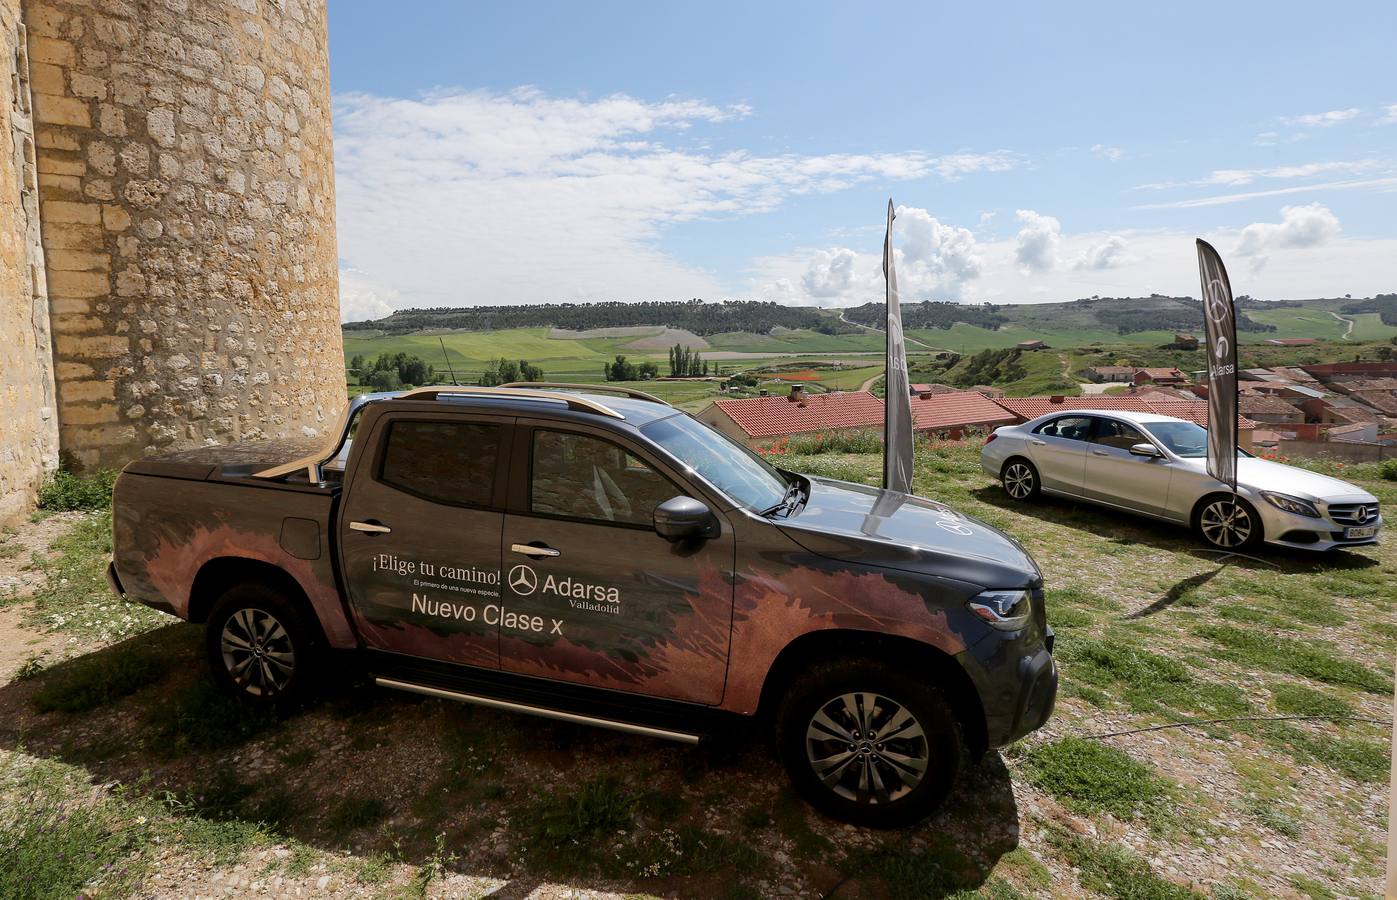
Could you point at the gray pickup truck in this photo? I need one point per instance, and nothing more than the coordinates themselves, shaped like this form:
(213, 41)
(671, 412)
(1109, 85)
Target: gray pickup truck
(560, 551)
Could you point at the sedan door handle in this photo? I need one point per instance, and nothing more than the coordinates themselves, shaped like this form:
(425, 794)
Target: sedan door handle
(1099, 453)
(1038, 443)
(531, 550)
(370, 527)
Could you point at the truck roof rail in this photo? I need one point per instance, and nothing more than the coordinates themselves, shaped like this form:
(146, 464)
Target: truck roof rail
(571, 386)
(340, 433)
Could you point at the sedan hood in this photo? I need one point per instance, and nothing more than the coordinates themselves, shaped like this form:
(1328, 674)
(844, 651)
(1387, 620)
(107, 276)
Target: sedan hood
(866, 525)
(1264, 475)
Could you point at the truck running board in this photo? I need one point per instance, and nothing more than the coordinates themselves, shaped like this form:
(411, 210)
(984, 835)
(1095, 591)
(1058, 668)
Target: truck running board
(577, 718)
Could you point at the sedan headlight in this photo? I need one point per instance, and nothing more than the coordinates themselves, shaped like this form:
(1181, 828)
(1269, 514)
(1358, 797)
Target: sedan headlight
(1005, 610)
(1291, 504)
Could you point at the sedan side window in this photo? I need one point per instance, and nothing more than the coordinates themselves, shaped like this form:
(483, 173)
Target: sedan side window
(1073, 428)
(581, 477)
(1117, 434)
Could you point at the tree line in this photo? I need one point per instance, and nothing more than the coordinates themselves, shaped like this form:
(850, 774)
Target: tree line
(686, 363)
(755, 316)
(391, 372)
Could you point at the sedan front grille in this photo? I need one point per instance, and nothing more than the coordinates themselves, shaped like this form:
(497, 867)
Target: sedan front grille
(1353, 513)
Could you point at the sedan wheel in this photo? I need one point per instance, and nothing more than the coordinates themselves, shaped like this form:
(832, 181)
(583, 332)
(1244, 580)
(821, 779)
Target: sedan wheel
(1228, 524)
(257, 652)
(867, 748)
(1020, 481)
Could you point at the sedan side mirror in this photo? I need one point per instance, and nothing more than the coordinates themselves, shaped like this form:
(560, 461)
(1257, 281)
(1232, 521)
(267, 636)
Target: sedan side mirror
(681, 518)
(1149, 450)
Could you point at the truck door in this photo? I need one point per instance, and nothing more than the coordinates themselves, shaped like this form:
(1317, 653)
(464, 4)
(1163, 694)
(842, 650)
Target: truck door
(592, 593)
(420, 535)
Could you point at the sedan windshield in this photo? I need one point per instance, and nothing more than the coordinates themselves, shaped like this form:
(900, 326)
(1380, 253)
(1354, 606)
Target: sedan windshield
(727, 465)
(1184, 439)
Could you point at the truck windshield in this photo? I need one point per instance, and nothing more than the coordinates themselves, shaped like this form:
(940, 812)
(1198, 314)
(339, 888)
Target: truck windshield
(727, 465)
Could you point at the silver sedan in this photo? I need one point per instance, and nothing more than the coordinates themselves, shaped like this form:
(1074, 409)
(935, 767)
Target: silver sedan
(1156, 466)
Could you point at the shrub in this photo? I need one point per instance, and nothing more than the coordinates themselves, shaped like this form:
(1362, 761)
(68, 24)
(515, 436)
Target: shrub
(64, 491)
(1388, 470)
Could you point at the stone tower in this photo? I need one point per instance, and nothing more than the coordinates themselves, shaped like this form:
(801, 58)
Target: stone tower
(184, 168)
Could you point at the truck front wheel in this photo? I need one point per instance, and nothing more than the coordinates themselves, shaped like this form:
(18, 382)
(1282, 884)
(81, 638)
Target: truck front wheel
(260, 647)
(865, 743)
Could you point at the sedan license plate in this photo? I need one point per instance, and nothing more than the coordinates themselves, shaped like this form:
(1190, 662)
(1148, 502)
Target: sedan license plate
(1361, 531)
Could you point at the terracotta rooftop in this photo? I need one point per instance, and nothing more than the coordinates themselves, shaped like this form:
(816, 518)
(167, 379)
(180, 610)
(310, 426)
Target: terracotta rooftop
(1262, 405)
(1160, 372)
(1383, 401)
(958, 409)
(772, 416)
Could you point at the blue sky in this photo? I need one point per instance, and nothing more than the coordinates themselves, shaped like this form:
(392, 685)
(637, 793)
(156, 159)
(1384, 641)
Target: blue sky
(529, 152)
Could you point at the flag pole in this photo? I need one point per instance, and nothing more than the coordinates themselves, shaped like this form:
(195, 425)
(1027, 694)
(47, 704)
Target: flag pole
(897, 402)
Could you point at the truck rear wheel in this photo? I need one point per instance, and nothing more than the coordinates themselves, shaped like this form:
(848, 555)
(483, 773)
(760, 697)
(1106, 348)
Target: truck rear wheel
(261, 648)
(865, 743)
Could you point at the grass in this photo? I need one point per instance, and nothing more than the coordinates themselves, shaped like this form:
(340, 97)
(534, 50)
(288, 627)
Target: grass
(65, 492)
(1092, 778)
(199, 717)
(98, 679)
(1302, 701)
(1307, 659)
(353, 813)
(1118, 873)
(74, 596)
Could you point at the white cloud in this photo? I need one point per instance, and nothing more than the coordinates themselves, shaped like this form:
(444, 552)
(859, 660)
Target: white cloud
(1389, 115)
(1037, 242)
(830, 274)
(362, 298)
(935, 257)
(1237, 177)
(1111, 154)
(471, 197)
(1321, 120)
(1300, 227)
(1109, 254)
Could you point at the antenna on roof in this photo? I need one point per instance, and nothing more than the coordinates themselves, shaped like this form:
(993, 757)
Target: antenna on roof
(447, 357)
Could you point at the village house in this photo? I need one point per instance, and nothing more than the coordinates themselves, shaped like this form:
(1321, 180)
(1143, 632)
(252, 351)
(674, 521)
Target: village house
(1032, 345)
(951, 415)
(1151, 375)
(1185, 341)
(1271, 410)
(1111, 373)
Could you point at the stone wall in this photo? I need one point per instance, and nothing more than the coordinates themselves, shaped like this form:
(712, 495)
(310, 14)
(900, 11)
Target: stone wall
(28, 427)
(185, 171)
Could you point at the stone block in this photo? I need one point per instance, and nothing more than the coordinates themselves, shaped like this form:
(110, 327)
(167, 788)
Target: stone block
(46, 78)
(70, 186)
(77, 261)
(79, 284)
(83, 85)
(55, 110)
(85, 391)
(70, 236)
(115, 218)
(51, 164)
(49, 138)
(64, 211)
(51, 50)
(97, 347)
(76, 324)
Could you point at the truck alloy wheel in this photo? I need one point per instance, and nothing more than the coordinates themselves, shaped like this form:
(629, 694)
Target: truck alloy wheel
(867, 748)
(257, 652)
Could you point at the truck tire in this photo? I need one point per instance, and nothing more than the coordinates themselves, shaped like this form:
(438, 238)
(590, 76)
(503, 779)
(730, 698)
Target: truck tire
(261, 647)
(866, 743)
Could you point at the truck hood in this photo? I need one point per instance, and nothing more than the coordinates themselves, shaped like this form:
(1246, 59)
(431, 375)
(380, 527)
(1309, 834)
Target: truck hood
(866, 525)
(1264, 475)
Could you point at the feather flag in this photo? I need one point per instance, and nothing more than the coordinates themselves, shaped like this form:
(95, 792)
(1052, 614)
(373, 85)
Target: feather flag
(1220, 322)
(897, 401)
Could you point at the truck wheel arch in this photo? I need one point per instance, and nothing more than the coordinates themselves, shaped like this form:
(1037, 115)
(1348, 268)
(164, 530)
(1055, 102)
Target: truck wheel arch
(217, 575)
(824, 645)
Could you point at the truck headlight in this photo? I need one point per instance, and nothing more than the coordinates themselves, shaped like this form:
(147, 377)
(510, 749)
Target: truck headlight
(1005, 610)
(1291, 504)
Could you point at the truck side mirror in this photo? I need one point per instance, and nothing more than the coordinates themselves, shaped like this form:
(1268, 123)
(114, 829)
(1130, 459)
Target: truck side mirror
(1149, 450)
(681, 518)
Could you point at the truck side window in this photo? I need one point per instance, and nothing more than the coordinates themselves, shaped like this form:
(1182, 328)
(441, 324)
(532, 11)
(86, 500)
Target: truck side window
(583, 477)
(449, 462)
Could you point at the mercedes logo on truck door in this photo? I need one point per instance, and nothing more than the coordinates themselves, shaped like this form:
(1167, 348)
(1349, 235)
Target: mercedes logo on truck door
(522, 580)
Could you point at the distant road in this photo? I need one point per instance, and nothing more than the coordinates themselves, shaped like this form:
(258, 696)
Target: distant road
(1348, 330)
(905, 338)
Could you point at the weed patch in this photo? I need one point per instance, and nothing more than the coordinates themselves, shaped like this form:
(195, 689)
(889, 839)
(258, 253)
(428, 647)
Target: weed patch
(1091, 778)
(200, 717)
(1146, 681)
(1303, 701)
(1117, 872)
(1306, 659)
(66, 492)
(1352, 757)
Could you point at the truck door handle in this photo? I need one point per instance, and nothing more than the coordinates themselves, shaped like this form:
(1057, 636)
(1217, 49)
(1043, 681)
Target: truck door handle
(370, 527)
(534, 550)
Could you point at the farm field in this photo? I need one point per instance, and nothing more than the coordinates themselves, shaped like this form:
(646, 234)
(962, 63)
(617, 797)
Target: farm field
(137, 778)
